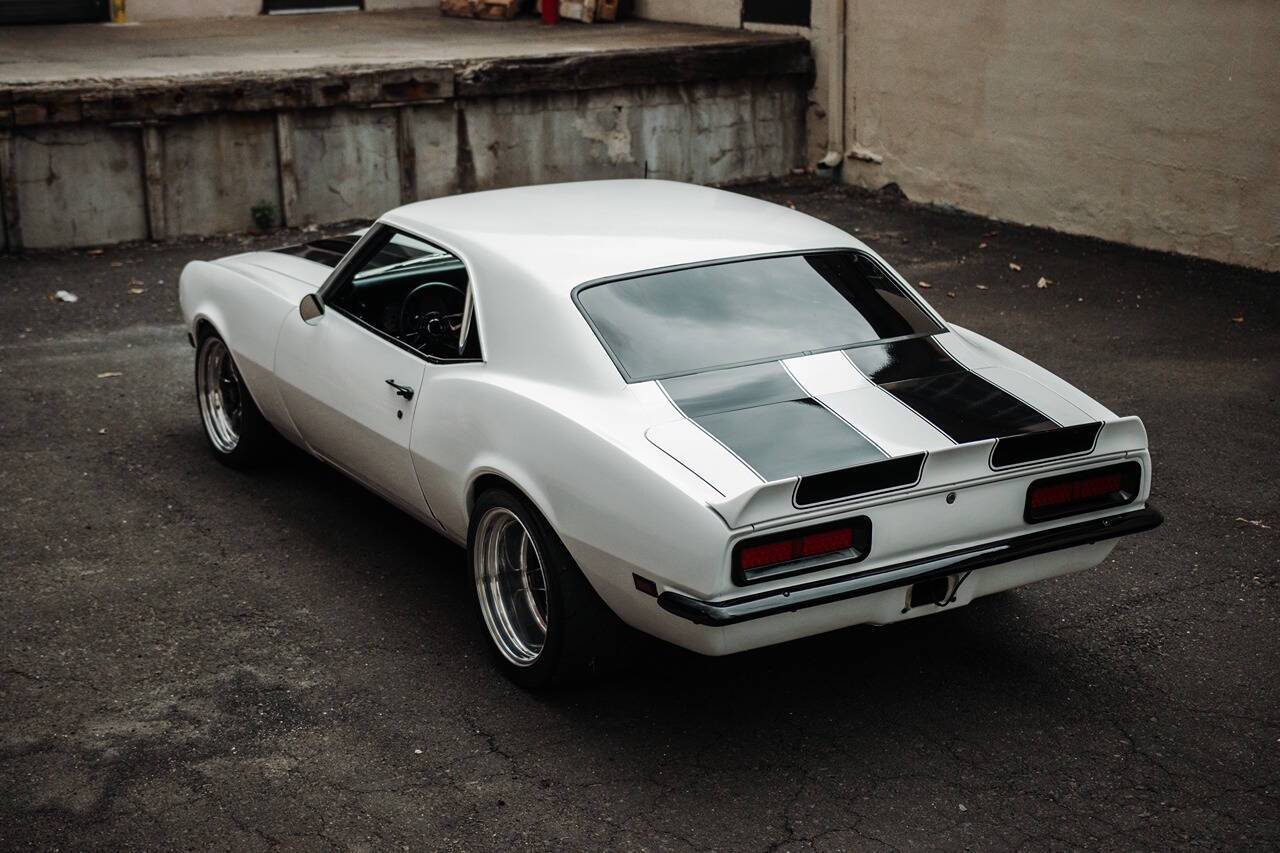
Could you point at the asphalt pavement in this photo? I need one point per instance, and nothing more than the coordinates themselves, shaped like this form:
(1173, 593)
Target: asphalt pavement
(192, 657)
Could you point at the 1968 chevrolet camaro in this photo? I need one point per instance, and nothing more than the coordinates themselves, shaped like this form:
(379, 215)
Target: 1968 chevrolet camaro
(723, 422)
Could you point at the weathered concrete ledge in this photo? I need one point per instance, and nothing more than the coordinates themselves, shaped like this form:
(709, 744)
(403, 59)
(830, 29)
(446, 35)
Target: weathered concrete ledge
(85, 162)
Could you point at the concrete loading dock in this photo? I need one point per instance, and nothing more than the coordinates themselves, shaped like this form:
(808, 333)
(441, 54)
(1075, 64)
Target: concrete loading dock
(117, 134)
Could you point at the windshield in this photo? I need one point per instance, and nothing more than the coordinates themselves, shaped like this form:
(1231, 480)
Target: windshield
(701, 318)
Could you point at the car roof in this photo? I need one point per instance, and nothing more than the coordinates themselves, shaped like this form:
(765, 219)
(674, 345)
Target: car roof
(562, 235)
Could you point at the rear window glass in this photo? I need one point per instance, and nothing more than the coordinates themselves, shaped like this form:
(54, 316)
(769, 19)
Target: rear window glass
(739, 312)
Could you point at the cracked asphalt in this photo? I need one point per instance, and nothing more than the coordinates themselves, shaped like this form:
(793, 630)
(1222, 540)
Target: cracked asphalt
(197, 658)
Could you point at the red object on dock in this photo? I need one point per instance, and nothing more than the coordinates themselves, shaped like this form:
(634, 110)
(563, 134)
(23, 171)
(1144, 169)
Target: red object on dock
(550, 11)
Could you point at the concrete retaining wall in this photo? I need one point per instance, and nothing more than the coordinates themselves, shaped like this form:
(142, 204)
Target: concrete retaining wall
(84, 181)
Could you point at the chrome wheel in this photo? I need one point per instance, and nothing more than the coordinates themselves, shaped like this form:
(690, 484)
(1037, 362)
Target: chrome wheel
(221, 396)
(511, 584)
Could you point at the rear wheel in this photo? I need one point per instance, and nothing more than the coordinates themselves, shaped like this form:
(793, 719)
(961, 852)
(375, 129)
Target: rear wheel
(546, 624)
(236, 430)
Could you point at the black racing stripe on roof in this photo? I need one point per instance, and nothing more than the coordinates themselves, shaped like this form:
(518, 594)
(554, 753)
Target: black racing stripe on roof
(769, 422)
(958, 402)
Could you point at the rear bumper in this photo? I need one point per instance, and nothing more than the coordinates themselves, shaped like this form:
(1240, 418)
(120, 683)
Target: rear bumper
(760, 605)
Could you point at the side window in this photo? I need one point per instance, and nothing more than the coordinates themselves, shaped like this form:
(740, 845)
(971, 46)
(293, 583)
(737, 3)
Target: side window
(409, 290)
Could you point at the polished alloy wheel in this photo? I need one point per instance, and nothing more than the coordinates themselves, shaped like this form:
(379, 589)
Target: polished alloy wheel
(511, 584)
(219, 390)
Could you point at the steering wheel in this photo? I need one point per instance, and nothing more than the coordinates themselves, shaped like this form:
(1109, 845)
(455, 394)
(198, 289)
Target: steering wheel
(431, 317)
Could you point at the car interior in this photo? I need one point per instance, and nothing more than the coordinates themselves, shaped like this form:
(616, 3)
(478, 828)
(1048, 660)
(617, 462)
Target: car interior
(412, 291)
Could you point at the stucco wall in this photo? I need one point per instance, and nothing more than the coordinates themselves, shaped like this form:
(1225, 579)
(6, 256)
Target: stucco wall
(712, 13)
(1152, 123)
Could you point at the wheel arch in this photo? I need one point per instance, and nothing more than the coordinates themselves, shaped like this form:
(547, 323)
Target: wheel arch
(489, 478)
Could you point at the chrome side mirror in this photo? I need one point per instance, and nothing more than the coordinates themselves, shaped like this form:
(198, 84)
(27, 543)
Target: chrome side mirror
(310, 308)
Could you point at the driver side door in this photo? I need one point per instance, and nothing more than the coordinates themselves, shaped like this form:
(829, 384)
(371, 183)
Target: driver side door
(350, 390)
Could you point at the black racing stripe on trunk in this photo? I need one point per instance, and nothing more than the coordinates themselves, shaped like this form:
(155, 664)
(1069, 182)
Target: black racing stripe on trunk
(961, 404)
(766, 419)
(1068, 441)
(860, 480)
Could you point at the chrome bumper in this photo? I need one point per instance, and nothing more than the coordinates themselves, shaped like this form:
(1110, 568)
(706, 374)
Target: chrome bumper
(814, 593)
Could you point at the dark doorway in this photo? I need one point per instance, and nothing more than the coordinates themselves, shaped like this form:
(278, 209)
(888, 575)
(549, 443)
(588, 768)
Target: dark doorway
(794, 12)
(285, 7)
(54, 11)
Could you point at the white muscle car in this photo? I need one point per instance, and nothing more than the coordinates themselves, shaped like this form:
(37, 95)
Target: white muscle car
(723, 422)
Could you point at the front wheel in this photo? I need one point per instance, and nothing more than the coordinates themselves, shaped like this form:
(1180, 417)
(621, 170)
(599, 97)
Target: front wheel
(236, 430)
(545, 622)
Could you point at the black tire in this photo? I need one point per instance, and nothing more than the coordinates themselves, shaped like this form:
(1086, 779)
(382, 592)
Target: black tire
(582, 635)
(238, 435)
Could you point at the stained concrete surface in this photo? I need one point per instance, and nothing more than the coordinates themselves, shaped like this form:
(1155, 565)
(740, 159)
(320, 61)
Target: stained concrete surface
(193, 657)
(286, 44)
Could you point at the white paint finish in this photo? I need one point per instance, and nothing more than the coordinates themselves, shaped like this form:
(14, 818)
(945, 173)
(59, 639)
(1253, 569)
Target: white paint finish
(79, 185)
(1031, 392)
(975, 350)
(332, 375)
(825, 373)
(548, 412)
(245, 304)
(690, 445)
(886, 420)
(884, 608)
(562, 235)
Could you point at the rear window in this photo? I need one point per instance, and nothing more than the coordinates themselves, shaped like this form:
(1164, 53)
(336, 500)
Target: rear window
(700, 318)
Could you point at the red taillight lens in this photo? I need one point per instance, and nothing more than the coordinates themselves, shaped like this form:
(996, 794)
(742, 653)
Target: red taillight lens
(1059, 494)
(755, 556)
(801, 546)
(824, 543)
(1070, 494)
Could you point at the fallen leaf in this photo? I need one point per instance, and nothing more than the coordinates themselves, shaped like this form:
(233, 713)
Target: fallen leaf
(982, 245)
(951, 294)
(926, 285)
(981, 286)
(1015, 267)
(109, 373)
(66, 296)
(94, 252)
(990, 233)
(1042, 283)
(117, 263)
(136, 290)
(1238, 320)
(1256, 522)
(102, 431)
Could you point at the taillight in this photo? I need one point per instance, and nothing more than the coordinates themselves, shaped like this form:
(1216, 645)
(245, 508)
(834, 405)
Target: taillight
(801, 550)
(1083, 491)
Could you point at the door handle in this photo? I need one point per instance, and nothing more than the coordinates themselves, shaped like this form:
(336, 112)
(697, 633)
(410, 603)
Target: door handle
(403, 390)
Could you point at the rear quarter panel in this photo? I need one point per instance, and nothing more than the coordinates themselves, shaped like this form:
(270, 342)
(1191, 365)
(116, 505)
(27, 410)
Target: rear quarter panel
(584, 463)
